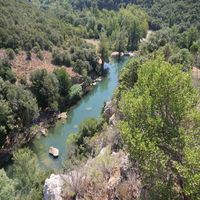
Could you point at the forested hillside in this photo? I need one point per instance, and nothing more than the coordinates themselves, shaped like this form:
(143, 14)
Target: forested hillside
(24, 26)
(52, 53)
(162, 13)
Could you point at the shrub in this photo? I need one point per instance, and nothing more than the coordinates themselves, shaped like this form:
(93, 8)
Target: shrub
(11, 54)
(75, 92)
(6, 71)
(66, 60)
(40, 55)
(57, 58)
(28, 55)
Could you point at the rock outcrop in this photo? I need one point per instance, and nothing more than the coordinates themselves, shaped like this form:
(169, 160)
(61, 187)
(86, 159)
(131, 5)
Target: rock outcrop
(100, 178)
(54, 152)
(53, 187)
(62, 115)
(110, 113)
(44, 131)
(106, 176)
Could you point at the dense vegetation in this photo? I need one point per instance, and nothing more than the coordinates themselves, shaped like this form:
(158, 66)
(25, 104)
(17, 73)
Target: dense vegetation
(160, 128)
(160, 116)
(35, 28)
(24, 26)
(27, 180)
(162, 13)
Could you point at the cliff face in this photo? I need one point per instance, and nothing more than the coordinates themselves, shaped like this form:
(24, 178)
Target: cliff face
(103, 177)
(106, 176)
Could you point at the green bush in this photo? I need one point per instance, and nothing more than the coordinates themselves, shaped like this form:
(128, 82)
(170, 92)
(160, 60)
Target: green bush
(6, 72)
(28, 55)
(75, 92)
(40, 55)
(10, 54)
(79, 142)
(7, 186)
(57, 58)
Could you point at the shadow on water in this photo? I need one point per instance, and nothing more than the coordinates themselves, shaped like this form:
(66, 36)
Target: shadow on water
(90, 106)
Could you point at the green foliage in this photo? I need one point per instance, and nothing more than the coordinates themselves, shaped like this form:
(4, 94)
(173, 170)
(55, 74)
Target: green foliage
(18, 109)
(46, 89)
(75, 92)
(40, 55)
(129, 76)
(6, 71)
(64, 86)
(7, 186)
(11, 54)
(103, 49)
(28, 26)
(170, 12)
(85, 60)
(61, 58)
(29, 180)
(192, 36)
(101, 4)
(120, 43)
(156, 127)
(78, 142)
(157, 39)
(6, 120)
(183, 57)
(23, 104)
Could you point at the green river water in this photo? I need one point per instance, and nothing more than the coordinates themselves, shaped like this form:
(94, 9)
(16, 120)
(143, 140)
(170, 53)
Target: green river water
(89, 106)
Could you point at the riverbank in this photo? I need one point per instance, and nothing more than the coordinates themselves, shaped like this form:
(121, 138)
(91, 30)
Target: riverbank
(48, 121)
(89, 106)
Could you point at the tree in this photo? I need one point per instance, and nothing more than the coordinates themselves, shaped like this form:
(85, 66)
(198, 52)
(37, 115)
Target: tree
(156, 127)
(75, 92)
(192, 36)
(103, 50)
(64, 85)
(6, 71)
(129, 76)
(78, 143)
(183, 57)
(40, 55)
(10, 54)
(133, 36)
(46, 89)
(50, 91)
(6, 121)
(24, 105)
(7, 186)
(120, 44)
(29, 180)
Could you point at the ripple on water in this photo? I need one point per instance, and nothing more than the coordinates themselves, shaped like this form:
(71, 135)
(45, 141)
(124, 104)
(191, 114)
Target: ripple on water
(88, 108)
(76, 126)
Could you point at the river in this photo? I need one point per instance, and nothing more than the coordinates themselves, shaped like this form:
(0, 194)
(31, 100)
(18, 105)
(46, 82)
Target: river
(89, 106)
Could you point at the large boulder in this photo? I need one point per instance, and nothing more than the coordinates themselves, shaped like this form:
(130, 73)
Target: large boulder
(54, 152)
(53, 187)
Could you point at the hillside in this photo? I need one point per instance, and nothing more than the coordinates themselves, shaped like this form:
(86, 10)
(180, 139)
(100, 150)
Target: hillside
(24, 26)
(143, 143)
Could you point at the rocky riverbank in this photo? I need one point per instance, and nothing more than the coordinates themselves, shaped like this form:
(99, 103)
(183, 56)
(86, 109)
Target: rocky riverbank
(107, 175)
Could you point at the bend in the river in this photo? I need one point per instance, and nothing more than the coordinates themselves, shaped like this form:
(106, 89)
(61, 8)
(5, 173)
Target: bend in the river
(89, 106)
